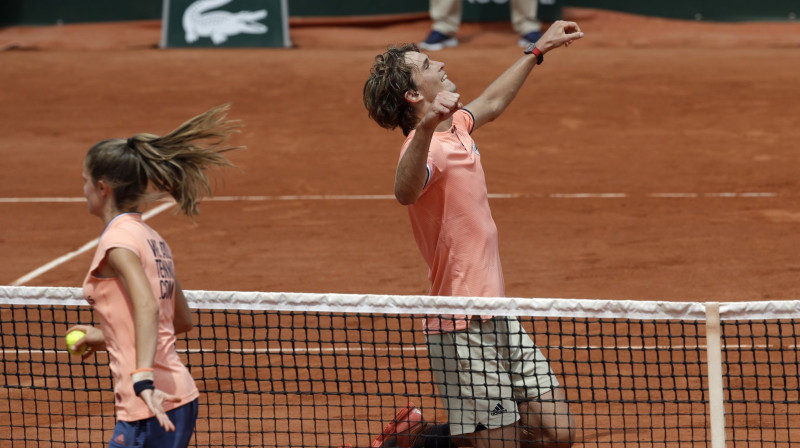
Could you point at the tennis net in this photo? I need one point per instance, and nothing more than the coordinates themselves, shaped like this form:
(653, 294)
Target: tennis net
(321, 370)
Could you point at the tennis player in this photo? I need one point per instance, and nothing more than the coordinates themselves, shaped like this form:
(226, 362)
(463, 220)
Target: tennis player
(131, 283)
(496, 385)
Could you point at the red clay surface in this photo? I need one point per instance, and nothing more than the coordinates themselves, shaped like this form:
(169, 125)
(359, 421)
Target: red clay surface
(680, 120)
(641, 107)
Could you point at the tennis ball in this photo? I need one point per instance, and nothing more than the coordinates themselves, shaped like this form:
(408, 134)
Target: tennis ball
(73, 337)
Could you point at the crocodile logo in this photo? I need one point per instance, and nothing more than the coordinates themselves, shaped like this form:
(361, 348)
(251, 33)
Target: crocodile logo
(199, 21)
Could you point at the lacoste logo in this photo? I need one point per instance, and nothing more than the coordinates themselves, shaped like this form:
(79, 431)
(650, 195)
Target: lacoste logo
(499, 409)
(199, 21)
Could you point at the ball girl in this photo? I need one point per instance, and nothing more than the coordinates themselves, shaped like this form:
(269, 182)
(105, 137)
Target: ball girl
(131, 284)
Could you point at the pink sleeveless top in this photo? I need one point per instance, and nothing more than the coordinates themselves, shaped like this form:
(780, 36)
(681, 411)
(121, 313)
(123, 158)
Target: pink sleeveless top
(113, 308)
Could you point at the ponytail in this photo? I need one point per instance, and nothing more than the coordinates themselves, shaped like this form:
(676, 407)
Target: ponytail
(175, 163)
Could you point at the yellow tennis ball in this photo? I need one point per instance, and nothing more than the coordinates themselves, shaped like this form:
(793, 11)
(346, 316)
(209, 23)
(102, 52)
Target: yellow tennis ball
(73, 337)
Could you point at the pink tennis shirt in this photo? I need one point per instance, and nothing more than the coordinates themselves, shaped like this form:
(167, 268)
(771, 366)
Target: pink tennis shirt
(115, 312)
(453, 225)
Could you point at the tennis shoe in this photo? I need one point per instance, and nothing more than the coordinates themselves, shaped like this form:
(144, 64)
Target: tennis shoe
(437, 41)
(529, 38)
(397, 433)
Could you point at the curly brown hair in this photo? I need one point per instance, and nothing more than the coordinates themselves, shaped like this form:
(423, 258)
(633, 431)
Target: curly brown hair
(385, 89)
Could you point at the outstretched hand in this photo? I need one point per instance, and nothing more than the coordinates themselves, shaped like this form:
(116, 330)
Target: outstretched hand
(560, 33)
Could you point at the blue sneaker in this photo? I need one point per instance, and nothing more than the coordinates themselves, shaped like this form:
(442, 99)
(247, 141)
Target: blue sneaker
(437, 41)
(529, 38)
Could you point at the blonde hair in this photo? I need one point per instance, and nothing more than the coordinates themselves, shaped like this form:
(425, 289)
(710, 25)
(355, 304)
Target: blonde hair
(175, 163)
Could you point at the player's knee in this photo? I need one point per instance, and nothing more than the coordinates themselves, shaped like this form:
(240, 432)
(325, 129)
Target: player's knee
(553, 437)
(560, 437)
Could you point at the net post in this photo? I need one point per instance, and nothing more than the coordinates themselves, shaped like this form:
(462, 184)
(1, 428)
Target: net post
(714, 360)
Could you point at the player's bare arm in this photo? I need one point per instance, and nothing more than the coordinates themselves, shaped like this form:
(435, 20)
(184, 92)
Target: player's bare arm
(412, 172)
(128, 268)
(182, 321)
(145, 315)
(494, 100)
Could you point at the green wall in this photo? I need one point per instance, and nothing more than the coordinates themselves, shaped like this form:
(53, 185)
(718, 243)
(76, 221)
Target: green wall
(47, 12)
(327, 8)
(713, 10)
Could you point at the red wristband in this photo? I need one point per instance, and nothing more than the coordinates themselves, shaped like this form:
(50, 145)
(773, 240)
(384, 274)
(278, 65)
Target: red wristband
(539, 55)
(536, 52)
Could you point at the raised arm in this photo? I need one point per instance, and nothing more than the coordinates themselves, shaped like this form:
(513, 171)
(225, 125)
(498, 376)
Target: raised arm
(494, 100)
(412, 172)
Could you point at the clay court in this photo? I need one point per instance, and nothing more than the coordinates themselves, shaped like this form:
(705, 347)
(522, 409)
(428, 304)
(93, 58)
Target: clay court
(691, 127)
(653, 160)
(683, 119)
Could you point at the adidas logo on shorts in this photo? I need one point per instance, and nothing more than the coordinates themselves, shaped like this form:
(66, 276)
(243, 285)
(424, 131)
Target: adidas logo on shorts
(499, 409)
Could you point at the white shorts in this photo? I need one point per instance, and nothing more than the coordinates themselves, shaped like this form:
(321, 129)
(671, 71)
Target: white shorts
(485, 370)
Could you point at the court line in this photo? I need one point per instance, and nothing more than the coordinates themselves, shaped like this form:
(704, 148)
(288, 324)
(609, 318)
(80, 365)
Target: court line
(85, 248)
(413, 348)
(371, 197)
(358, 197)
